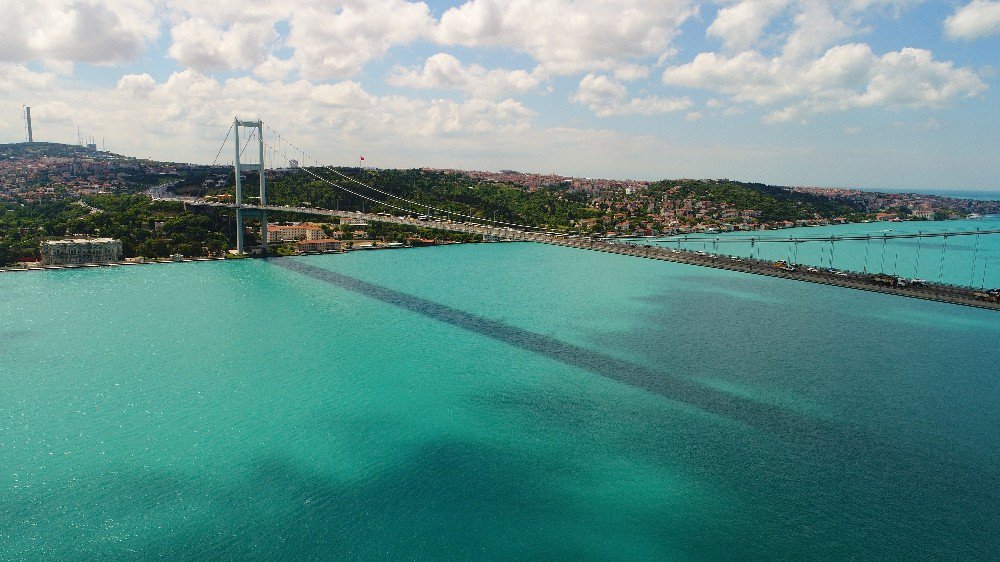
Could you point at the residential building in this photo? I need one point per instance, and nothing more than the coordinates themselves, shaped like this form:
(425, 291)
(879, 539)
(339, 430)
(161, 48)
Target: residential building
(294, 232)
(320, 245)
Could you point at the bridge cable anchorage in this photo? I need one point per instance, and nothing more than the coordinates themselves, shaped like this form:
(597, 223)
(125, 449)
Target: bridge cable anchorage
(409, 201)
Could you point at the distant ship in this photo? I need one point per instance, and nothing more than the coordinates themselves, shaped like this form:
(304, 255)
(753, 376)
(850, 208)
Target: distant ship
(973, 216)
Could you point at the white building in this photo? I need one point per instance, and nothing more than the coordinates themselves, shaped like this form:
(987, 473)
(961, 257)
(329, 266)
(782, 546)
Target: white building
(294, 232)
(69, 251)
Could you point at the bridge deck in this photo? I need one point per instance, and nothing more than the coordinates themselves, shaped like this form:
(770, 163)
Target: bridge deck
(933, 292)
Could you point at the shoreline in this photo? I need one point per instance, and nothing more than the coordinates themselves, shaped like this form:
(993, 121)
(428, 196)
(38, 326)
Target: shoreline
(948, 294)
(39, 267)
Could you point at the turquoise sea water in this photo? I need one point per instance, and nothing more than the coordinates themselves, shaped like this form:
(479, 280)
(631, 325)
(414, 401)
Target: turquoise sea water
(972, 261)
(489, 401)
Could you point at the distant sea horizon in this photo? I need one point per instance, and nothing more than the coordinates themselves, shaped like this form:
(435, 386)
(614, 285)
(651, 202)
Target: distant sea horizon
(977, 194)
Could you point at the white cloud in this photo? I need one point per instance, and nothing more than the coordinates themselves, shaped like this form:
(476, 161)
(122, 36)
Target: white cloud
(816, 28)
(811, 26)
(335, 43)
(783, 115)
(911, 78)
(979, 18)
(747, 76)
(741, 25)
(274, 68)
(99, 32)
(17, 80)
(53, 112)
(190, 110)
(227, 12)
(629, 72)
(607, 98)
(475, 116)
(444, 71)
(845, 77)
(327, 39)
(567, 36)
(202, 46)
(137, 85)
(347, 95)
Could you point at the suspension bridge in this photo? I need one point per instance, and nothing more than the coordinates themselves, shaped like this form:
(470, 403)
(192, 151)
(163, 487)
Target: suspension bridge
(423, 215)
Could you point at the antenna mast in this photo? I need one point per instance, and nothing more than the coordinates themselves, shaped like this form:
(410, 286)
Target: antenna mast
(27, 123)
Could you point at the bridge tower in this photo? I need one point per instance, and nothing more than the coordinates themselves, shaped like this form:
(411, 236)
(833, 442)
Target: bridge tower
(258, 126)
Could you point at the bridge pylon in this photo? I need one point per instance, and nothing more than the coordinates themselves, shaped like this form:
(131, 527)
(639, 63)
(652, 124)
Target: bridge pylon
(259, 168)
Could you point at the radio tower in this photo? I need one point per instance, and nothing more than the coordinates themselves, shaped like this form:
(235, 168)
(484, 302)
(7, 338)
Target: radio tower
(27, 123)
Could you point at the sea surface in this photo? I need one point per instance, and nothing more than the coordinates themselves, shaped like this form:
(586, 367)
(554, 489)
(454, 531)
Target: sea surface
(971, 261)
(490, 401)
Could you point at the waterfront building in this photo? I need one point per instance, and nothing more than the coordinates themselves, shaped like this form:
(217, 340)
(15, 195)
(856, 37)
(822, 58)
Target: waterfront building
(320, 245)
(294, 232)
(69, 251)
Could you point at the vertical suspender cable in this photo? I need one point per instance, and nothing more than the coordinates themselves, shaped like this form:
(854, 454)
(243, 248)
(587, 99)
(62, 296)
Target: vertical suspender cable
(881, 268)
(975, 253)
(868, 243)
(944, 251)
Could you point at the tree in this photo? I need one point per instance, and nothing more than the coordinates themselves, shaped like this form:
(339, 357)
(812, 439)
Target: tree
(153, 248)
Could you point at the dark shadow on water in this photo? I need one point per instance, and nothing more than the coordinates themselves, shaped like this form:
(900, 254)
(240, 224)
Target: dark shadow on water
(862, 451)
(446, 499)
(766, 417)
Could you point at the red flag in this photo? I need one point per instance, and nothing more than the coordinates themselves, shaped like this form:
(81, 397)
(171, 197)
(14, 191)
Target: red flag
(362, 157)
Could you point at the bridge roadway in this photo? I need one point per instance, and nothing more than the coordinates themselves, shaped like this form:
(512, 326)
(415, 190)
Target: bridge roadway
(932, 291)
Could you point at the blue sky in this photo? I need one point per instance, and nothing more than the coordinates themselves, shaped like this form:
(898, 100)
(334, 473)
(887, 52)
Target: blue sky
(839, 93)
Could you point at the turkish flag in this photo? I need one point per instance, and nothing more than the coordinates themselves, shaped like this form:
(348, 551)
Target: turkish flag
(362, 157)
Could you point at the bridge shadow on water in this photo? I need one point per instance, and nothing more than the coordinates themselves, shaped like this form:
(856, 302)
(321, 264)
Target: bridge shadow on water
(767, 417)
(868, 462)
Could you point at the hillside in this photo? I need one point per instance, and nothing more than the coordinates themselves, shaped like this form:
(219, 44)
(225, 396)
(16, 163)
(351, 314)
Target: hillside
(774, 203)
(52, 150)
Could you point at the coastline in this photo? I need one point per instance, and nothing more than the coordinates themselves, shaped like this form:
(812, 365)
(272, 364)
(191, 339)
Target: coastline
(13, 269)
